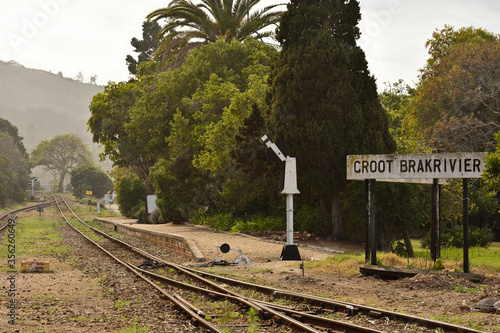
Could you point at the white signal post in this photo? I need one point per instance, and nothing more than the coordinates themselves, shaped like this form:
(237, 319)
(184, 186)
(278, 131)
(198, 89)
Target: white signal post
(32, 184)
(290, 251)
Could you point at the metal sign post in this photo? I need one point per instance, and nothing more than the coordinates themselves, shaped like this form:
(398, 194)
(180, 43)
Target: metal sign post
(417, 168)
(275, 154)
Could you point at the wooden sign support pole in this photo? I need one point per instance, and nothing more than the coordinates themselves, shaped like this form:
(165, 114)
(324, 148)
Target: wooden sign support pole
(465, 217)
(371, 226)
(435, 221)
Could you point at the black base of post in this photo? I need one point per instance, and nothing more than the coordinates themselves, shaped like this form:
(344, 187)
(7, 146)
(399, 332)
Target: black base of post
(290, 252)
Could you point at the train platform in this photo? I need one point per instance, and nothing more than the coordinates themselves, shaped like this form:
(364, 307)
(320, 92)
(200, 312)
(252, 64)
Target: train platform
(202, 244)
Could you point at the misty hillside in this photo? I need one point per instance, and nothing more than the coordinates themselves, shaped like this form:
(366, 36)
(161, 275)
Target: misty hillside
(42, 104)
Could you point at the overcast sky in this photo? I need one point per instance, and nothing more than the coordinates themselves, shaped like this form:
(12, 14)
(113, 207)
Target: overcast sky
(93, 36)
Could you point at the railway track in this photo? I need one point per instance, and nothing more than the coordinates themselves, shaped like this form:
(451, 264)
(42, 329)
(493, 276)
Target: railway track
(13, 213)
(271, 313)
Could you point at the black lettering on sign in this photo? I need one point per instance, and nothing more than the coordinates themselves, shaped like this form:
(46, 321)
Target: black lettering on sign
(467, 165)
(411, 166)
(381, 166)
(428, 167)
(389, 163)
(420, 167)
(356, 167)
(453, 163)
(477, 164)
(403, 166)
(365, 167)
(437, 166)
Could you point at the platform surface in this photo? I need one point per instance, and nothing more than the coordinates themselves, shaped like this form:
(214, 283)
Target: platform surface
(208, 241)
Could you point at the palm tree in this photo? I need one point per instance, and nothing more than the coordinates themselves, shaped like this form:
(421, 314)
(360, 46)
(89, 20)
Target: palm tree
(189, 26)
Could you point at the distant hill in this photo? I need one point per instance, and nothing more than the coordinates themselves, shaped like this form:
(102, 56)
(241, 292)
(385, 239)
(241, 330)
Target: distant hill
(42, 104)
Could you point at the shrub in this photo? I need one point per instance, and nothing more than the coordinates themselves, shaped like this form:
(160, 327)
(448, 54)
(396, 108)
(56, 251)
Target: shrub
(260, 223)
(156, 217)
(481, 237)
(312, 219)
(131, 193)
(222, 221)
(453, 237)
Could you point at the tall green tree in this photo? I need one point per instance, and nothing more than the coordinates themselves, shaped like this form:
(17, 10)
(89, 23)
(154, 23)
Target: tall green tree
(109, 123)
(7, 128)
(14, 165)
(145, 47)
(457, 100)
(88, 177)
(60, 154)
(211, 100)
(324, 100)
(189, 26)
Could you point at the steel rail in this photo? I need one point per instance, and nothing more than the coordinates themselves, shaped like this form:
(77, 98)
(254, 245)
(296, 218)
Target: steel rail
(325, 303)
(263, 308)
(335, 305)
(203, 322)
(305, 318)
(295, 323)
(27, 208)
(22, 209)
(322, 302)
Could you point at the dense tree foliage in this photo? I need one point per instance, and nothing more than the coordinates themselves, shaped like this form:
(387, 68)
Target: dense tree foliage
(60, 154)
(130, 192)
(457, 101)
(145, 47)
(215, 103)
(88, 177)
(189, 26)
(324, 101)
(454, 107)
(109, 124)
(192, 135)
(199, 127)
(14, 165)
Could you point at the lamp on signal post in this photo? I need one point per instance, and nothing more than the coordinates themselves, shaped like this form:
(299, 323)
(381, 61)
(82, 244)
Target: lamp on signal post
(276, 154)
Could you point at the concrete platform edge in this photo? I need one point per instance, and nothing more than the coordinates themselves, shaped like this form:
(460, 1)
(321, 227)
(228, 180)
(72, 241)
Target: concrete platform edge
(179, 244)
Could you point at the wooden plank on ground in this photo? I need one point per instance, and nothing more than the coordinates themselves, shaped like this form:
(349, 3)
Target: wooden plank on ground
(399, 273)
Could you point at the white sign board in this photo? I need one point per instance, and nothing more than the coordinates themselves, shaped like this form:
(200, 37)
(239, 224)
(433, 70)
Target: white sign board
(415, 166)
(150, 203)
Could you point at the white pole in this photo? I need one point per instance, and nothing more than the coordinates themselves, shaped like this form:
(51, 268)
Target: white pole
(289, 219)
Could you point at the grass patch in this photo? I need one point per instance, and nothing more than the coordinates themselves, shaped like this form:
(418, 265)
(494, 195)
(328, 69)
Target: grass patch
(35, 237)
(452, 257)
(343, 263)
(451, 260)
(474, 324)
(134, 328)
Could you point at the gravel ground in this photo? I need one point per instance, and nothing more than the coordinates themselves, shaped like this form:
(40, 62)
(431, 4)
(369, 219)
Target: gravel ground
(87, 292)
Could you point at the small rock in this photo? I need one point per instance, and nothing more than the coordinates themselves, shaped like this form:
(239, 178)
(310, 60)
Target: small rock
(496, 305)
(486, 305)
(464, 307)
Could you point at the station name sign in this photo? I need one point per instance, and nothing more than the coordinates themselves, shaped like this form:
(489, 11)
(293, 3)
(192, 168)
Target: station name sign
(416, 166)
